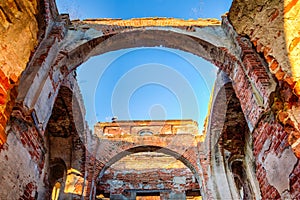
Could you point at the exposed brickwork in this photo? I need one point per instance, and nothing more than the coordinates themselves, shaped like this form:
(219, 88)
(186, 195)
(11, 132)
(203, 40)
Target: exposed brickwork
(273, 30)
(155, 179)
(91, 170)
(146, 22)
(261, 150)
(255, 69)
(180, 138)
(271, 109)
(252, 82)
(294, 181)
(176, 141)
(29, 192)
(18, 28)
(23, 126)
(24, 155)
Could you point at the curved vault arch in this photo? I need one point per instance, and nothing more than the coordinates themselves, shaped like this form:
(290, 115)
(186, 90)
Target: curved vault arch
(78, 41)
(43, 119)
(69, 45)
(150, 148)
(228, 140)
(187, 161)
(208, 42)
(153, 149)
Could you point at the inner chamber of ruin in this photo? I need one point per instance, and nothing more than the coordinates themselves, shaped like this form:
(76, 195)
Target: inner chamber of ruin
(250, 146)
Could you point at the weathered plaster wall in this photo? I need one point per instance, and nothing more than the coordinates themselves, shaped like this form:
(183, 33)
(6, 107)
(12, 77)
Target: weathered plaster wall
(117, 139)
(271, 108)
(176, 180)
(18, 37)
(23, 160)
(273, 28)
(275, 161)
(18, 173)
(28, 154)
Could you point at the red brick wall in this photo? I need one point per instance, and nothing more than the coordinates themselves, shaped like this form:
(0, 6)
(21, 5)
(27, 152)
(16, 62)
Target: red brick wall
(29, 192)
(250, 78)
(271, 130)
(115, 149)
(272, 27)
(24, 159)
(19, 32)
(32, 140)
(150, 179)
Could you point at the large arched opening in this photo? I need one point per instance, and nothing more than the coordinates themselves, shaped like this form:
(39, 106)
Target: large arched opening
(272, 134)
(177, 181)
(80, 41)
(229, 146)
(212, 42)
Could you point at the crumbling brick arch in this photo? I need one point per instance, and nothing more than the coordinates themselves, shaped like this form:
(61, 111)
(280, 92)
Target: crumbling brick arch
(189, 162)
(229, 140)
(69, 44)
(65, 138)
(218, 44)
(280, 48)
(187, 159)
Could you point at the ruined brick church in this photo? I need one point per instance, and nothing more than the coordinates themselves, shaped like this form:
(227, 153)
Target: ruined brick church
(250, 148)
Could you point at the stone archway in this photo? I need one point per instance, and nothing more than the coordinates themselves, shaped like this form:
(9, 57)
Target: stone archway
(65, 139)
(57, 177)
(188, 161)
(177, 138)
(228, 140)
(180, 175)
(219, 44)
(69, 45)
(251, 81)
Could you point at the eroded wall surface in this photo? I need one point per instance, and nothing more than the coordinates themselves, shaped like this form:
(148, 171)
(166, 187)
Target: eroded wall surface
(18, 38)
(171, 180)
(273, 28)
(271, 109)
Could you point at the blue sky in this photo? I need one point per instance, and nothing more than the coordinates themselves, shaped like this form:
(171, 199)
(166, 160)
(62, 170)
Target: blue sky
(125, 9)
(145, 83)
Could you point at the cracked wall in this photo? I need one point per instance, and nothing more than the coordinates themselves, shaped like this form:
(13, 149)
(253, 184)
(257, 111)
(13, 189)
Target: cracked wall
(18, 37)
(270, 105)
(272, 27)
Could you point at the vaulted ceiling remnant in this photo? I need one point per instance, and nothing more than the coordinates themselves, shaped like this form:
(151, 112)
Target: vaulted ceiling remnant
(253, 124)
